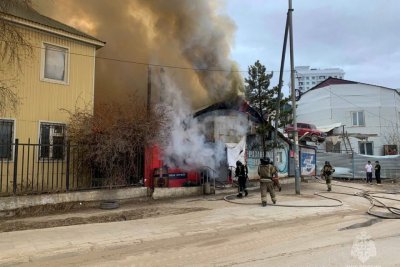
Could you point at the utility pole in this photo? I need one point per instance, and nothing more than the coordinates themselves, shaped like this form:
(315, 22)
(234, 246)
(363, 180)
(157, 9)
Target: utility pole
(148, 89)
(278, 102)
(293, 93)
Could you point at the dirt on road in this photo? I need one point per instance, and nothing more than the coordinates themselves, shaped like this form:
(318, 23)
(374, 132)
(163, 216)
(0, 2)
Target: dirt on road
(200, 232)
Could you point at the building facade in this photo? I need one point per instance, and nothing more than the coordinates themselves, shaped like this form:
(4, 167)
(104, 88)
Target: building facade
(307, 78)
(358, 117)
(57, 77)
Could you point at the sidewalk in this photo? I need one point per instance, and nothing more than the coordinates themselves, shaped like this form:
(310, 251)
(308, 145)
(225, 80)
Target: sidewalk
(90, 212)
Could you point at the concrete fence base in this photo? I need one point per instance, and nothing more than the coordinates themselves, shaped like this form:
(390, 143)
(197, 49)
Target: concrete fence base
(160, 193)
(17, 202)
(21, 202)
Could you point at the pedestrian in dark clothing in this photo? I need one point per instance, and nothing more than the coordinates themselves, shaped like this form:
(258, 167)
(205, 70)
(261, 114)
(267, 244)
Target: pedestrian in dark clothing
(378, 172)
(241, 172)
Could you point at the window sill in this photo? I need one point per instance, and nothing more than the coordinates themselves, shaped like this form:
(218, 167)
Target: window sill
(54, 81)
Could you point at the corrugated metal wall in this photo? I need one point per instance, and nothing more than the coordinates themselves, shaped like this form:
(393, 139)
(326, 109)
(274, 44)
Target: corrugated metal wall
(47, 101)
(353, 165)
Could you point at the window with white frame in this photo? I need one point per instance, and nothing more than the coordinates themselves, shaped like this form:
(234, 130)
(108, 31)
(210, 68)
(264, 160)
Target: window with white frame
(55, 63)
(52, 137)
(6, 138)
(357, 118)
(366, 148)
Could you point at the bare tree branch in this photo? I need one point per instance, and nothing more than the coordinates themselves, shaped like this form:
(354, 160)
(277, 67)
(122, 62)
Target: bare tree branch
(116, 135)
(14, 49)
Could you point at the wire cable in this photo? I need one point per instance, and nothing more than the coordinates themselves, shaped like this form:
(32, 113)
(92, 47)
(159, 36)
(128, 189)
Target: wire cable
(369, 195)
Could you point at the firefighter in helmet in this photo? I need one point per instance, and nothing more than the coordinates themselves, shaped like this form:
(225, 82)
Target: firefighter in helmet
(265, 171)
(241, 172)
(326, 173)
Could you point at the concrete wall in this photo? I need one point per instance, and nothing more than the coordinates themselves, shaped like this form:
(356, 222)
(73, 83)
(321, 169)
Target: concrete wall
(16, 202)
(160, 193)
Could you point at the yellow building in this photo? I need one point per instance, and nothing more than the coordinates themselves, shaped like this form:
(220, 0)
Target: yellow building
(57, 76)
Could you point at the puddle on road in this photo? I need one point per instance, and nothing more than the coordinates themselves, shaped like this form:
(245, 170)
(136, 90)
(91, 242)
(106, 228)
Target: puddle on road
(361, 225)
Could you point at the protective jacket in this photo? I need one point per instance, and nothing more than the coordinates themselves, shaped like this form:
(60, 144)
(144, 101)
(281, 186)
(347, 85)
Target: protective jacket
(266, 171)
(241, 171)
(327, 170)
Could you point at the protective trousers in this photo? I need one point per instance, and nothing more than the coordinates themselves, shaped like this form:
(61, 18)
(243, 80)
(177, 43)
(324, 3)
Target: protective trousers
(267, 185)
(328, 182)
(242, 184)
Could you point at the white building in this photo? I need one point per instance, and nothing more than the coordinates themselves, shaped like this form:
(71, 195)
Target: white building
(307, 78)
(369, 114)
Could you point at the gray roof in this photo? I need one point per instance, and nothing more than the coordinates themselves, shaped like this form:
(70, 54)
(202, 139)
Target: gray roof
(30, 14)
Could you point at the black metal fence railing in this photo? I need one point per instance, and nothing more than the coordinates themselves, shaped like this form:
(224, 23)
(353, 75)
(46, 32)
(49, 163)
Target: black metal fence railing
(43, 168)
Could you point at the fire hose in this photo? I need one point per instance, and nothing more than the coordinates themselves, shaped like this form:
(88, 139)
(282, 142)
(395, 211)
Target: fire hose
(369, 195)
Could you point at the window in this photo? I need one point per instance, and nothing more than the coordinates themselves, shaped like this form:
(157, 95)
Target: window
(6, 138)
(55, 64)
(366, 148)
(313, 77)
(357, 118)
(52, 141)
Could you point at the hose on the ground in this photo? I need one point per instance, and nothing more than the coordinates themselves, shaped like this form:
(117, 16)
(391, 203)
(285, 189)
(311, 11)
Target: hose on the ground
(369, 195)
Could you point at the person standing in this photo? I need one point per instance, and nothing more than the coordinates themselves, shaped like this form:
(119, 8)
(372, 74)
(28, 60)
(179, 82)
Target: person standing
(368, 169)
(378, 173)
(326, 172)
(265, 171)
(241, 173)
(275, 177)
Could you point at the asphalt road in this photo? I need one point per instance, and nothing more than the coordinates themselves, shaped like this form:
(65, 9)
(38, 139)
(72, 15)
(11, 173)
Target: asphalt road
(214, 232)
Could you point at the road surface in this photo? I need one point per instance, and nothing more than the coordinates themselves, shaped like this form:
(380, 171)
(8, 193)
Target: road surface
(213, 232)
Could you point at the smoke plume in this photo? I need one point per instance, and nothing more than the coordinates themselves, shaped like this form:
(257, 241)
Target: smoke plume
(189, 34)
(187, 148)
(184, 33)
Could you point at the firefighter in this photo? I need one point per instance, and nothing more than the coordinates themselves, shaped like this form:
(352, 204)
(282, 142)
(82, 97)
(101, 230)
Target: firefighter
(275, 177)
(265, 171)
(326, 172)
(241, 173)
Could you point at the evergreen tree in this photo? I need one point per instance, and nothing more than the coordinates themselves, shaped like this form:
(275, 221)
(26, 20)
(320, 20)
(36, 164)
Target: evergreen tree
(264, 100)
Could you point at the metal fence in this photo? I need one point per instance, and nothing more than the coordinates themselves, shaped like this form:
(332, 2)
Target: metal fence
(38, 168)
(352, 165)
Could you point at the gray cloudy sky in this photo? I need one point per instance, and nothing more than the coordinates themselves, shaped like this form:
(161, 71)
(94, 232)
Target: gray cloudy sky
(360, 36)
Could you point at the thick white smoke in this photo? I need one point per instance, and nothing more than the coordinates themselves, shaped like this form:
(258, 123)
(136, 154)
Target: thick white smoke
(186, 147)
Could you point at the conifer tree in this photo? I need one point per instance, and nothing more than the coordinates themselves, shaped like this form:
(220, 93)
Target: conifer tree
(264, 100)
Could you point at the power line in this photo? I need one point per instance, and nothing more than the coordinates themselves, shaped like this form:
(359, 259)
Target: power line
(150, 64)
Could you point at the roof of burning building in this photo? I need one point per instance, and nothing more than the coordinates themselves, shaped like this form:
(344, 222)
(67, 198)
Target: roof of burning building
(27, 13)
(239, 104)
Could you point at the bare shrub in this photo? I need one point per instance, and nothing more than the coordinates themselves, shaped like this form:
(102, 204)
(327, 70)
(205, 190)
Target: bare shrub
(112, 140)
